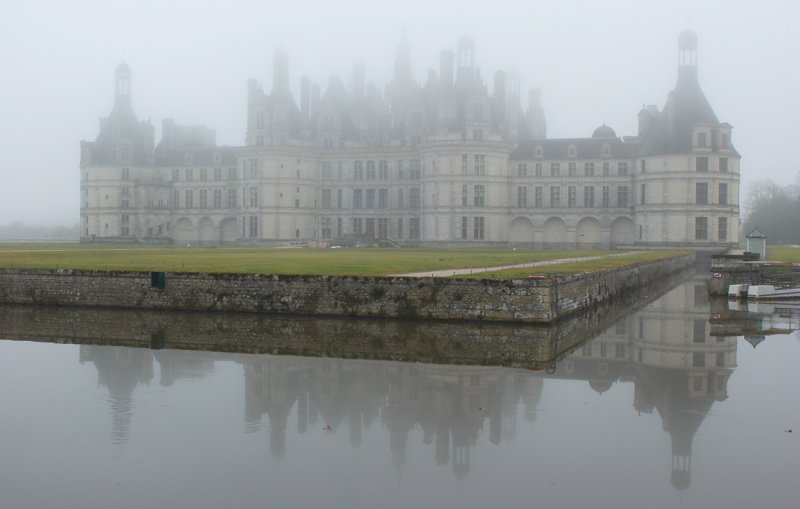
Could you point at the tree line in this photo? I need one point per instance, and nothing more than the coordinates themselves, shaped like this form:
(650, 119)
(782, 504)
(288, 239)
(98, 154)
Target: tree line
(21, 232)
(775, 209)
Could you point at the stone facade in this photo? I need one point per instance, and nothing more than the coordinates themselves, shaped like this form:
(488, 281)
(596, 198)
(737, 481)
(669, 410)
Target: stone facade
(529, 300)
(442, 163)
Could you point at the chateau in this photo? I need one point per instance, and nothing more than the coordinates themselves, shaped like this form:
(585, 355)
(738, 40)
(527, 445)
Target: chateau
(439, 163)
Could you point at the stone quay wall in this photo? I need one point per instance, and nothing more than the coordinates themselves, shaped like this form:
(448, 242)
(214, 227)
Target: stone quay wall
(532, 300)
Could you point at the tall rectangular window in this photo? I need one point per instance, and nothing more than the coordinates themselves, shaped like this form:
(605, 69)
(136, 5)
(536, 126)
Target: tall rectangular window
(413, 228)
(723, 193)
(572, 169)
(415, 169)
(555, 196)
(622, 168)
(126, 174)
(400, 228)
(217, 174)
(538, 200)
(588, 197)
(125, 220)
(572, 198)
(622, 196)
(370, 199)
(253, 227)
(383, 228)
(701, 164)
(325, 227)
(464, 164)
(326, 198)
(538, 169)
(231, 198)
(383, 198)
(357, 197)
(701, 193)
(606, 197)
(555, 169)
(176, 199)
(722, 229)
(203, 174)
(522, 170)
(478, 227)
(188, 200)
(217, 198)
(189, 174)
(464, 196)
(357, 225)
(339, 198)
(464, 227)
(327, 170)
(479, 197)
(701, 228)
(588, 169)
(400, 203)
(203, 201)
(414, 197)
(723, 165)
(480, 164)
(176, 175)
(254, 197)
(522, 196)
(642, 194)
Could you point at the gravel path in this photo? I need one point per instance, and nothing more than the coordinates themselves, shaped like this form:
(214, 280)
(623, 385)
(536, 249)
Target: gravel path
(476, 270)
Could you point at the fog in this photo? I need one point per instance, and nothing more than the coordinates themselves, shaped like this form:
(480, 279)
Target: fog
(595, 62)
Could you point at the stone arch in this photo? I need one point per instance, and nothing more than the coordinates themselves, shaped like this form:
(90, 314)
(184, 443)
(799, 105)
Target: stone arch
(520, 230)
(183, 230)
(205, 231)
(555, 232)
(622, 231)
(228, 229)
(589, 232)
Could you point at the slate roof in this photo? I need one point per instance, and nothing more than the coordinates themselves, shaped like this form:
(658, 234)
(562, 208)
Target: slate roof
(120, 125)
(585, 148)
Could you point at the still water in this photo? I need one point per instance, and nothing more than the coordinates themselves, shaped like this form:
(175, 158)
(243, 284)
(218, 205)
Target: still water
(659, 409)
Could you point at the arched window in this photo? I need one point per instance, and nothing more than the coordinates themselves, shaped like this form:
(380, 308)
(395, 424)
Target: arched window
(370, 170)
(383, 170)
(358, 170)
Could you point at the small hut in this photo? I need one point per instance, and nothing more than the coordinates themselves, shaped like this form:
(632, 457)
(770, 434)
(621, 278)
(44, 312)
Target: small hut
(757, 243)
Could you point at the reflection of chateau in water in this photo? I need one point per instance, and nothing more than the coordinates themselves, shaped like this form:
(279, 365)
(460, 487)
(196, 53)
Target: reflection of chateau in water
(665, 349)
(677, 367)
(120, 370)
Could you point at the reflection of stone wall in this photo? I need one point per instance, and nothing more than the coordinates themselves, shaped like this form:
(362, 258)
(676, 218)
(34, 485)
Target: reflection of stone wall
(527, 300)
(485, 343)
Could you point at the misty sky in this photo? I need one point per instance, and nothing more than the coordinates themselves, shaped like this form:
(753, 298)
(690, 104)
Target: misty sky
(594, 61)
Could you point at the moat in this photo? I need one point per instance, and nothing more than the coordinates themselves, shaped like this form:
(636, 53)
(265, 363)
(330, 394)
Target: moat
(673, 401)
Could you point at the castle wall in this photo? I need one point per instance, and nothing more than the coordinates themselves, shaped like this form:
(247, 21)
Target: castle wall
(528, 300)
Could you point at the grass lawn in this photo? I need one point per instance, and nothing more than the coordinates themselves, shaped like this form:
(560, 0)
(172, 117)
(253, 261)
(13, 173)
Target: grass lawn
(578, 267)
(264, 260)
(788, 254)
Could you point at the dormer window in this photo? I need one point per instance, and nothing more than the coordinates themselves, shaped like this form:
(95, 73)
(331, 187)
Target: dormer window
(725, 141)
(606, 150)
(187, 159)
(217, 158)
(702, 140)
(572, 151)
(538, 152)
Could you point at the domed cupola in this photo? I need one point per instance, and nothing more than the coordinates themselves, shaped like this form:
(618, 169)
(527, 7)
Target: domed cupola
(604, 132)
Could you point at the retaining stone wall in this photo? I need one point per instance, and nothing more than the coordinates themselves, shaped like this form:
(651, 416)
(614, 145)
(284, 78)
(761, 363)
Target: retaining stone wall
(528, 300)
